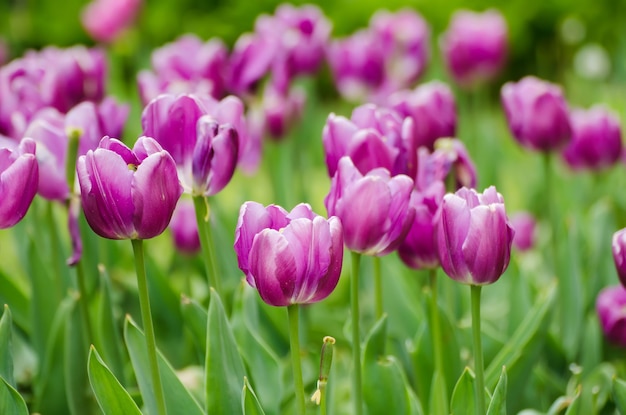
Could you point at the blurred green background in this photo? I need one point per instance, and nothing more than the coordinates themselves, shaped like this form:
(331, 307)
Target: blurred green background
(544, 36)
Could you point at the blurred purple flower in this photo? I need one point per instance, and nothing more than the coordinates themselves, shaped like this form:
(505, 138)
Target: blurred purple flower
(449, 158)
(128, 194)
(374, 208)
(18, 181)
(611, 309)
(474, 46)
(202, 136)
(290, 258)
(185, 228)
(596, 139)
(525, 226)
(433, 109)
(187, 65)
(104, 20)
(419, 248)
(58, 78)
(373, 137)
(475, 236)
(537, 114)
(280, 110)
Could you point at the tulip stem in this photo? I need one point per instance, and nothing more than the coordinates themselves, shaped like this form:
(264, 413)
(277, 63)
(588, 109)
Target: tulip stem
(294, 340)
(436, 328)
(378, 288)
(146, 317)
(356, 335)
(201, 206)
(479, 392)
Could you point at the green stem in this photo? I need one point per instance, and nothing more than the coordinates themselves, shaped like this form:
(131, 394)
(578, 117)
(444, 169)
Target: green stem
(201, 206)
(294, 339)
(146, 317)
(83, 301)
(478, 351)
(378, 288)
(323, 410)
(436, 327)
(356, 335)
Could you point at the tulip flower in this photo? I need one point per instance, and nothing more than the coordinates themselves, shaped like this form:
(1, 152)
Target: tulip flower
(525, 228)
(474, 46)
(184, 228)
(596, 139)
(18, 181)
(449, 158)
(610, 306)
(187, 65)
(374, 208)
(537, 114)
(128, 194)
(104, 20)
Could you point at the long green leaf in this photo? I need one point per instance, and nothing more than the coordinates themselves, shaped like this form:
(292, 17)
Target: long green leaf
(497, 406)
(110, 394)
(107, 331)
(249, 403)
(513, 350)
(463, 399)
(177, 399)
(6, 340)
(75, 362)
(224, 365)
(195, 318)
(619, 395)
(17, 297)
(11, 402)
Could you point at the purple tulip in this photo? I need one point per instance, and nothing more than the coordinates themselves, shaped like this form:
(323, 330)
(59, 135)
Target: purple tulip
(610, 306)
(280, 110)
(475, 236)
(596, 139)
(104, 20)
(619, 254)
(433, 109)
(419, 248)
(374, 137)
(537, 113)
(405, 37)
(475, 46)
(250, 61)
(290, 258)
(128, 194)
(525, 225)
(58, 78)
(18, 181)
(185, 228)
(449, 158)
(374, 209)
(200, 134)
(186, 65)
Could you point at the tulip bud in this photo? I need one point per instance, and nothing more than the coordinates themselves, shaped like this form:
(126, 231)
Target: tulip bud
(610, 306)
(537, 114)
(290, 258)
(596, 139)
(475, 46)
(185, 228)
(475, 236)
(524, 225)
(128, 194)
(374, 208)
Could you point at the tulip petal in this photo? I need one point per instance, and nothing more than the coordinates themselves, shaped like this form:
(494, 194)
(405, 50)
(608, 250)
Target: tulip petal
(327, 283)
(18, 185)
(273, 266)
(453, 228)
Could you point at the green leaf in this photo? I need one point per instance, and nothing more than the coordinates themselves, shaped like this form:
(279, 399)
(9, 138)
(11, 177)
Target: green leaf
(195, 318)
(11, 402)
(463, 399)
(574, 407)
(619, 395)
(177, 398)
(107, 331)
(75, 362)
(249, 403)
(438, 395)
(385, 388)
(110, 394)
(6, 341)
(224, 365)
(17, 298)
(497, 406)
(513, 351)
